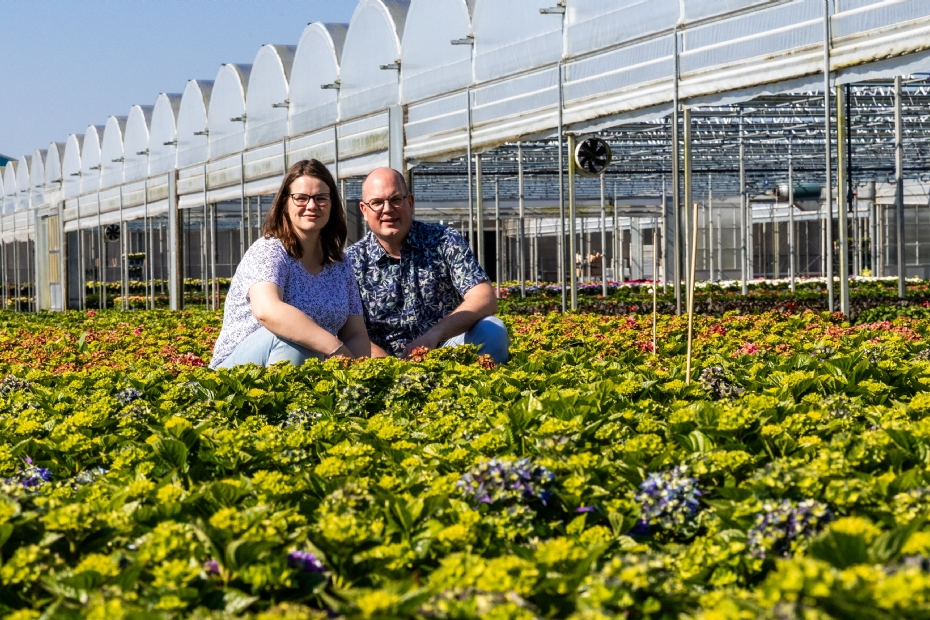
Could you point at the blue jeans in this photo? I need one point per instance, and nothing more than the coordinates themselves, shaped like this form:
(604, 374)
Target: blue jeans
(490, 334)
(264, 348)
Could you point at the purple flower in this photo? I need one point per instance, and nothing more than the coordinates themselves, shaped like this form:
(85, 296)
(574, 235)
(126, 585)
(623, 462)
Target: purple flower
(781, 527)
(212, 567)
(31, 476)
(305, 561)
(503, 481)
(668, 500)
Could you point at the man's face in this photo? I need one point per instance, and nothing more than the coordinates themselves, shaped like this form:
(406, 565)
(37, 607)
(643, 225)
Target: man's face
(386, 206)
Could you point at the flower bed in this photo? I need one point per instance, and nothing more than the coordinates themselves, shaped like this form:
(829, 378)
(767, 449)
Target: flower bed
(584, 479)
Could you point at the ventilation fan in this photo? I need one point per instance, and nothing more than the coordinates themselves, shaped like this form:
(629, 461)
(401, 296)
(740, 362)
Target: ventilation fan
(111, 232)
(592, 156)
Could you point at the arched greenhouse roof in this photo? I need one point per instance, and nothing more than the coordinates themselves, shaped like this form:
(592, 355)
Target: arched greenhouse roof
(431, 64)
(53, 179)
(90, 159)
(163, 135)
(316, 64)
(136, 146)
(267, 102)
(23, 189)
(9, 186)
(37, 177)
(226, 112)
(193, 123)
(71, 166)
(370, 71)
(111, 152)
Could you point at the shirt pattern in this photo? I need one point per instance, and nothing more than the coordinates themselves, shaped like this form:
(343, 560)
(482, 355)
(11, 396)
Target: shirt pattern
(403, 298)
(329, 298)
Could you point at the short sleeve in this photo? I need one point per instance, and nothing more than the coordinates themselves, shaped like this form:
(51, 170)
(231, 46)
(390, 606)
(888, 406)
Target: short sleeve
(464, 269)
(355, 299)
(266, 261)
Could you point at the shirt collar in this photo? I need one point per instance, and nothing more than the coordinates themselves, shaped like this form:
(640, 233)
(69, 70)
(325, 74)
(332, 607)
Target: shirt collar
(413, 240)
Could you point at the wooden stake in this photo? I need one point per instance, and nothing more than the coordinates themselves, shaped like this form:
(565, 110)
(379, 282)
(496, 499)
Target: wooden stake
(691, 274)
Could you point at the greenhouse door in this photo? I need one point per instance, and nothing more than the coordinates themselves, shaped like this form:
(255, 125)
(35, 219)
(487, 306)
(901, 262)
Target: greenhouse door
(51, 227)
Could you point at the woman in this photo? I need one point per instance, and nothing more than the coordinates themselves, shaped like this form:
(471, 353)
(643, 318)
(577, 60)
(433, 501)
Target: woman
(293, 296)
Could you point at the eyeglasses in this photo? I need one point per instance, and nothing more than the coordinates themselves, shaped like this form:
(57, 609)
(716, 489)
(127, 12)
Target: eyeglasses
(377, 205)
(302, 200)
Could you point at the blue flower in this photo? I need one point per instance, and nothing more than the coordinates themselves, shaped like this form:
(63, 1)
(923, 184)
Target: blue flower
(128, 395)
(668, 500)
(305, 561)
(497, 480)
(31, 476)
(781, 527)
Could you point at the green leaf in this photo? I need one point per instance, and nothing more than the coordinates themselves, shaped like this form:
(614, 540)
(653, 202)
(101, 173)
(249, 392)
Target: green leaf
(235, 601)
(840, 549)
(888, 546)
(173, 452)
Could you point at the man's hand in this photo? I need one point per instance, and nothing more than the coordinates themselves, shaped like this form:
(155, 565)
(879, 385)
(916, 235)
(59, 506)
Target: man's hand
(427, 341)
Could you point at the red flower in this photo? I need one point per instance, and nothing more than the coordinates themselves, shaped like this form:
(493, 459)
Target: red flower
(91, 313)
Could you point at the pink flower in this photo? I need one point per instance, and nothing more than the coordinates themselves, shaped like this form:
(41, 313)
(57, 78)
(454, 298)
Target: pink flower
(188, 359)
(91, 313)
(137, 331)
(749, 348)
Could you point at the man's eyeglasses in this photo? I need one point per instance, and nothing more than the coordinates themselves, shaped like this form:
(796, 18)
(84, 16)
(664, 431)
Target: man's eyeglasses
(377, 205)
(302, 200)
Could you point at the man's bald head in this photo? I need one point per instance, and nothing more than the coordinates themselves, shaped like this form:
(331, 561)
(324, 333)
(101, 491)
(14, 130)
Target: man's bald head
(383, 176)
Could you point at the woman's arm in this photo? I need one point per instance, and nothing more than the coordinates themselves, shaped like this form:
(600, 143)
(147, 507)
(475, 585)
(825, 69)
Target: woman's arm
(355, 336)
(285, 321)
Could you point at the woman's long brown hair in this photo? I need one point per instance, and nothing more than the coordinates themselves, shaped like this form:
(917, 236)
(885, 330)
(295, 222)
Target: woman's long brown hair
(278, 225)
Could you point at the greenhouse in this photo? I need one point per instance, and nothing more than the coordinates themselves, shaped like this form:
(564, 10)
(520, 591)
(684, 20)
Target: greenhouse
(707, 228)
(719, 104)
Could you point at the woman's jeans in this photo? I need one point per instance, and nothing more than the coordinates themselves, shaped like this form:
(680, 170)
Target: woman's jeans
(264, 348)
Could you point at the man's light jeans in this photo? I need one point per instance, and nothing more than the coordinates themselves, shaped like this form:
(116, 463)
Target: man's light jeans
(490, 334)
(264, 348)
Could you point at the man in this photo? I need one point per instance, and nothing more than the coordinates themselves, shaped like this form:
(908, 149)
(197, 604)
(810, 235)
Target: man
(420, 283)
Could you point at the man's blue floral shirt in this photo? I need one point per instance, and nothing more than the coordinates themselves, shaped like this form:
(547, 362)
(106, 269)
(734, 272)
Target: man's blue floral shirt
(403, 298)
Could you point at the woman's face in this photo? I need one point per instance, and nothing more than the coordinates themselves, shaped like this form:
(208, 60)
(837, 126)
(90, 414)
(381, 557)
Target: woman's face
(312, 215)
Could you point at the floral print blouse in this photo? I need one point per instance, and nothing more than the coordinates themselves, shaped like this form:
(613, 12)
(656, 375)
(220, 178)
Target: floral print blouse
(403, 298)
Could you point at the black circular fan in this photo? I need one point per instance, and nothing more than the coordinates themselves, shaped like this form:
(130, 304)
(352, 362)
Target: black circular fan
(592, 156)
(111, 232)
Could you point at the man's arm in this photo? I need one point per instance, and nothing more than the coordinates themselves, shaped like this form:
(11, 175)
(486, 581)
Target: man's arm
(478, 302)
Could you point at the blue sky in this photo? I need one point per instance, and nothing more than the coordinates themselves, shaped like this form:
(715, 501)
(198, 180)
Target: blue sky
(68, 64)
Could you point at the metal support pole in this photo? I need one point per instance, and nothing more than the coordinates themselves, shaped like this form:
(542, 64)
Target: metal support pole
(792, 249)
(468, 156)
(101, 261)
(709, 229)
(124, 255)
(678, 255)
(655, 284)
(744, 218)
(828, 152)
(214, 288)
(242, 219)
(479, 195)
(694, 233)
(572, 250)
(561, 244)
(899, 185)
(689, 189)
(604, 241)
(82, 261)
(841, 205)
(497, 234)
(874, 252)
(522, 215)
(617, 245)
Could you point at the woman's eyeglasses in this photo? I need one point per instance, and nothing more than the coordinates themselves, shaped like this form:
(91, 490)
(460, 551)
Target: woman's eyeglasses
(302, 200)
(377, 205)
